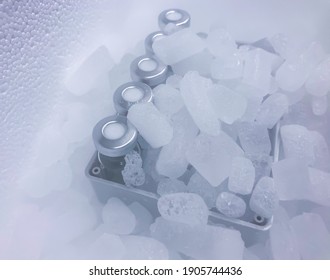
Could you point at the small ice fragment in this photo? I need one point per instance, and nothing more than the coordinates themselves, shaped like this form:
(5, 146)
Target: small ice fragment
(197, 184)
(174, 81)
(172, 161)
(85, 77)
(186, 208)
(294, 72)
(312, 236)
(318, 82)
(264, 198)
(228, 105)
(226, 68)
(210, 156)
(258, 68)
(220, 43)
(167, 99)
(133, 173)
(320, 186)
(291, 179)
(272, 109)
(200, 241)
(178, 46)
(143, 248)
(230, 205)
(151, 124)
(254, 138)
(319, 105)
(200, 62)
(143, 217)
(118, 218)
(282, 241)
(169, 186)
(262, 164)
(297, 143)
(106, 247)
(242, 176)
(194, 89)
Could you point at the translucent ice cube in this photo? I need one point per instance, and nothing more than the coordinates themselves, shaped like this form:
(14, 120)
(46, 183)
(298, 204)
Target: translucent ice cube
(151, 123)
(143, 217)
(201, 241)
(227, 68)
(321, 151)
(230, 205)
(84, 78)
(194, 89)
(254, 138)
(197, 184)
(178, 46)
(168, 186)
(220, 43)
(172, 161)
(264, 198)
(118, 218)
(318, 82)
(312, 236)
(174, 81)
(272, 109)
(262, 164)
(210, 156)
(143, 248)
(242, 175)
(183, 207)
(319, 105)
(228, 105)
(291, 179)
(297, 143)
(167, 99)
(320, 186)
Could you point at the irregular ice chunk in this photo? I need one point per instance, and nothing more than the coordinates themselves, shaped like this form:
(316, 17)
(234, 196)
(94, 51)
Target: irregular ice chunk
(210, 156)
(200, 62)
(272, 109)
(194, 89)
(228, 105)
(83, 80)
(174, 81)
(220, 43)
(262, 164)
(152, 125)
(197, 184)
(319, 105)
(297, 143)
(143, 217)
(294, 72)
(291, 179)
(312, 236)
(118, 218)
(264, 198)
(318, 83)
(143, 248)
(282, 241)
(242, 175)
(167, 99)
(231, 205)
(201, 241)
(254, 138)
(172, 161)
(186, 208)
(258, 68)
(106, 247)
(168, 186)
(320, 186)
(321, 151)
(133, 173)
(227, 68)
(178, 46)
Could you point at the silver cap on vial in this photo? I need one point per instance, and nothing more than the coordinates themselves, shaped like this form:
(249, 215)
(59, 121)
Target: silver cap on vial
(149, 69)
(129, 94)
(114, 136)
(178, 18)
(150, 39)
